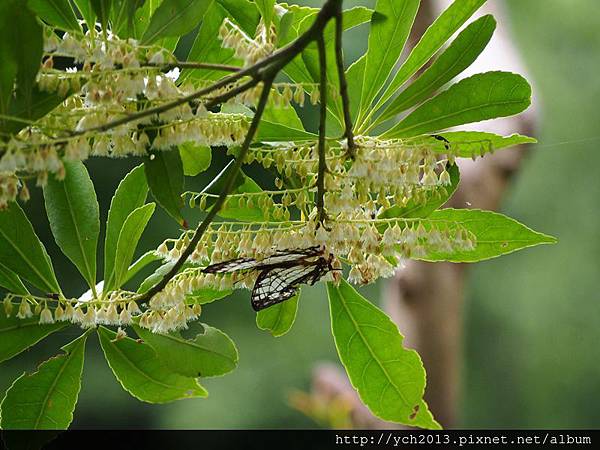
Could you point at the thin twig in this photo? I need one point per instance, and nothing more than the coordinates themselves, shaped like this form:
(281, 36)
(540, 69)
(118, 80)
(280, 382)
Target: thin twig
(195, 65)
(339, 59)
(322, 129)
(264, 96)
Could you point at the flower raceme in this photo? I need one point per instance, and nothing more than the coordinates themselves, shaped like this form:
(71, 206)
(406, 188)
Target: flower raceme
(114, 78)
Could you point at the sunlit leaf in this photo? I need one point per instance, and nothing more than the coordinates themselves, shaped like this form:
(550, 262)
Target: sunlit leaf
(164, 173)
(278, 319)
(389, 378)
(142, 373)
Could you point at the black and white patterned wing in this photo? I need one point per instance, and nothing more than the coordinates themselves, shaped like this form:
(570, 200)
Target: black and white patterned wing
(280, 257)
(279, 284)
(233, 265)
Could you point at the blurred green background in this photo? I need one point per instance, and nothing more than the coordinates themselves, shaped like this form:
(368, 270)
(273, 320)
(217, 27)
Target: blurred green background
(532, 338)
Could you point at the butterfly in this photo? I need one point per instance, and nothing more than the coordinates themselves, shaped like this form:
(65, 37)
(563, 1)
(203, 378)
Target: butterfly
(280, 274)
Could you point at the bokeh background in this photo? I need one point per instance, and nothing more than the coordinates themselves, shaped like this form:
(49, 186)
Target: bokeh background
(532, 335)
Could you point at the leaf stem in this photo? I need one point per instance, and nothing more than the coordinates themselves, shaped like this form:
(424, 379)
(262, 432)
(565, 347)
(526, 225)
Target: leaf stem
(339, 59)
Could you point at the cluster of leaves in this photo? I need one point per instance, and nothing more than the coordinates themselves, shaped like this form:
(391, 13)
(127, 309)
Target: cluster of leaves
(389, 378)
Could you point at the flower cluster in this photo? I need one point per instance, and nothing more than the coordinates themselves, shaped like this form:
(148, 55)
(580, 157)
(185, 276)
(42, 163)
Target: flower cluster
(248, 49)
(117, 310)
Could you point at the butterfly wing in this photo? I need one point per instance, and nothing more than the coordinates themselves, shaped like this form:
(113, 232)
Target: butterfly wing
(280, 257)
(278, 284)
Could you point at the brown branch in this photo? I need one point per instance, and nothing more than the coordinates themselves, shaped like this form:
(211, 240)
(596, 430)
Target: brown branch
(320, 203)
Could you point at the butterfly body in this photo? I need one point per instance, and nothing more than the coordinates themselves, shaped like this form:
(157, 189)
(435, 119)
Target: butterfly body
(280, 274)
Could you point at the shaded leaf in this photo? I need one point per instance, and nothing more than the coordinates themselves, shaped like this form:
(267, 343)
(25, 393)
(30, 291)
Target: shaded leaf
(46, 398)
(274, 132)
(206, 295)
(164, 173)
(142, 373)
(278, 319)
(141, 263)
(22, 252)
(211, 353)
(244, 12)
(11, 281)
(389, 378)
(102, 10)
(17, 335)
(266, 8)
(74, 217)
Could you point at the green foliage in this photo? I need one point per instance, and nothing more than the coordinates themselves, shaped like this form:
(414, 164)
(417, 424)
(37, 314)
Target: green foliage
(435, 199)
(74, 216)
(459, 55)
(130, 195)
(22, 252)
(279, 318)
(390, 25)
(11, 281)
(480, 97)
(209, 354)
(434, 38)
(56, 12)
(164, 172)
(143, 373)
(174, 18)
(379, 367)
(195, 158)
(470, 144)
(102, 10)
(17, 335)
(46, 398)
(496, 234)
(129, 237)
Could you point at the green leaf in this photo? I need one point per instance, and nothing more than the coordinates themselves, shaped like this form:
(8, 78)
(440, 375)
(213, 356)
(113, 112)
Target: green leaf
(123, 18)
(56, 12)
(436, 35)
(267, 9)
(11, 281)
(274, 132)
(155, 277)
(495, 234)
(390, 26)
(207, 47)
(354, 79)
(480, 97)
(434, 199)
(142, 373)
(195, 158)
(17, 335)
(164, 172)
(470, 144)
(389, 378)
(141, 263)
(278, 319)
(21, 48)
(72, 210)
(130, 235)
(244, 13)
(284, 115)
(102, 10)
(206, 295)
(463, 51)
(175, 18)
(130, 194)
(22, 252)
(46, 399)
(209, 354)
(31, 107)
(87, 12)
